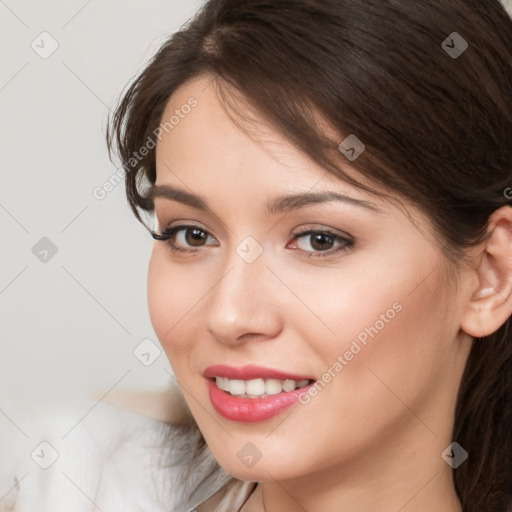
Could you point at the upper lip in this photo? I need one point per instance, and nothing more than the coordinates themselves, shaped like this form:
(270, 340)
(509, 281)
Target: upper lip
(251, 371)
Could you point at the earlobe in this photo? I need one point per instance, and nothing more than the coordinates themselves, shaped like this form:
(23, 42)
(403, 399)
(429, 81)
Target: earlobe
(490, 303)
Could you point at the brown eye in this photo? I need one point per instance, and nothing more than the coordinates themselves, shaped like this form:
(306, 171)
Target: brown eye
(194, 236)
(184, 238)
(319, 243)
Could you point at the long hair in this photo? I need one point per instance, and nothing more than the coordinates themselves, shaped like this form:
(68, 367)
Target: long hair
(425, 84)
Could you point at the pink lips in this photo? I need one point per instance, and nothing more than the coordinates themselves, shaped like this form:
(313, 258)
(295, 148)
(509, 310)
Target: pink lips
(250, 372)
(251, 410)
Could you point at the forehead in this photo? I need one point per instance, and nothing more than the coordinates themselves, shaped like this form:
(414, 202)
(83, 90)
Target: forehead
(210, 132)
(208, 154)
(210, 142)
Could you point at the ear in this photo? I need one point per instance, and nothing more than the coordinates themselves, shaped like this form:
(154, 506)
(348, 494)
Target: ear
(490, 304)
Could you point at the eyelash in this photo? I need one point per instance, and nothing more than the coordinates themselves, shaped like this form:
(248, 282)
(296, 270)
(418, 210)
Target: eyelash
(168, 234)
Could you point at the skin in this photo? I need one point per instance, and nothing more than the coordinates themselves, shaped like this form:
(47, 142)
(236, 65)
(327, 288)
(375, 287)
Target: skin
(373, 436)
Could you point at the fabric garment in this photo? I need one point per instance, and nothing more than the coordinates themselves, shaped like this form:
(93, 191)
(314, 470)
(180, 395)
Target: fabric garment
(229, 498)
(102, 458)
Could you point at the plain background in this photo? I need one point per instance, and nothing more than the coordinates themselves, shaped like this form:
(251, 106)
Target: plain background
(71, 324)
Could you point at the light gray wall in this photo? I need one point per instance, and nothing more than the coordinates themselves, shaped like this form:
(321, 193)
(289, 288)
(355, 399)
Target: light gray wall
(70, 324)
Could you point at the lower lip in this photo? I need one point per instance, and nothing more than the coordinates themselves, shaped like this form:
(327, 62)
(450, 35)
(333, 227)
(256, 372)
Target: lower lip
(252, 410)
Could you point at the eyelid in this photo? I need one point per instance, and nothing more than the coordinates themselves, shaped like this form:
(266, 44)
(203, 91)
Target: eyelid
(311, 226)
(180, 224)
(166, 211)
(168, 232)
(345, 238)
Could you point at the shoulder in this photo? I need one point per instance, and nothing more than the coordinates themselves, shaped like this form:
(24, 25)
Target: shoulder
(98, 455)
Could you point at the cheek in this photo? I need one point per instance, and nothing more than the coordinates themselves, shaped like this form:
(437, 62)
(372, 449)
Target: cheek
(381, 319)
(157, 295)
(394, 351)
(380, 292)
(364, 299)
(172, 294)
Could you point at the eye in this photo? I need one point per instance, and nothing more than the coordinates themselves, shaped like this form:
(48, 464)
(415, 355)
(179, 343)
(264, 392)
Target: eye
(321, 243)
(314, 243)
(181, 238)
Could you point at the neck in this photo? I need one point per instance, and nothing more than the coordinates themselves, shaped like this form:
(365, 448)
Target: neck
(380, 480)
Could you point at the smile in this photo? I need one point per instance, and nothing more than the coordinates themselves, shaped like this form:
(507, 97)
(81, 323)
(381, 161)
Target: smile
(253, 393)
(258, 388)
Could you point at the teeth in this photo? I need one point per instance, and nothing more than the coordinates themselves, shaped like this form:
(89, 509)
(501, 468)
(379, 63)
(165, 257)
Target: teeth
(273, 386)
(255, 387)
(236, 387)
(258, 388)
(223, 383)
(289, 385)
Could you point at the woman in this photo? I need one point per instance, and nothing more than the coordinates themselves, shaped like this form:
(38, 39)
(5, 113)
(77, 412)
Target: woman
(328, 184)
(332, 273)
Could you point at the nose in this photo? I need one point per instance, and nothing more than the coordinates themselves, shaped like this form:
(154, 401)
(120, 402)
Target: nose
(245, 304)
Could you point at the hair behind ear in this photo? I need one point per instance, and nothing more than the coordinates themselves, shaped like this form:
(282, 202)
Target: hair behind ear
(483, 425)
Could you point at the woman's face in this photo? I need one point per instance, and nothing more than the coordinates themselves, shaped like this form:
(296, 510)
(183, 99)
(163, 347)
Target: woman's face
(357, 305)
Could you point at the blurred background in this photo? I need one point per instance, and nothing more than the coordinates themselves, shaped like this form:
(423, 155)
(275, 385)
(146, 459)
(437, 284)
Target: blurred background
(73, 259)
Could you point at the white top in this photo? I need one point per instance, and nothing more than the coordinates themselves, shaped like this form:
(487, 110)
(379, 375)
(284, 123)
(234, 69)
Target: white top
(112, 460)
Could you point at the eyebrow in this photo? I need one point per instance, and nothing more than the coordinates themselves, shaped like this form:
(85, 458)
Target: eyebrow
(279, 204)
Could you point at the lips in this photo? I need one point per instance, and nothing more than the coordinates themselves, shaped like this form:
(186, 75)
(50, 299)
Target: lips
(251, 372)
(242, 409)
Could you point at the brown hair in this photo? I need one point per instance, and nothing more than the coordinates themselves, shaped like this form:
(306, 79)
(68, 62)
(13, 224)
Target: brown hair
(437, 127)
